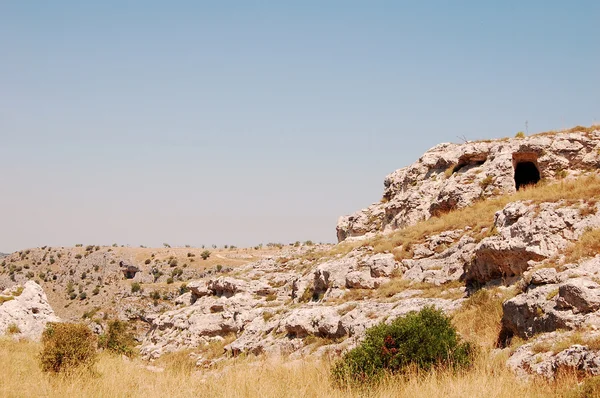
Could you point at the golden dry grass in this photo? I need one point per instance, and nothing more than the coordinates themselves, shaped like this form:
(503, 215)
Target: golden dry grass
(478, 216)
(576, 129)
(478, 320)
(588, 245)
(116, 377)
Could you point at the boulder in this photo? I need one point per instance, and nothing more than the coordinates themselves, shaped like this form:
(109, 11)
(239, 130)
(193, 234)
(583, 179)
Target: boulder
(26, 313)
(581, 295)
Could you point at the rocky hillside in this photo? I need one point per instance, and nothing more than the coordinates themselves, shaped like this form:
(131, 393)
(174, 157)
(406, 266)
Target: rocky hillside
(502, 234)
(453, 176)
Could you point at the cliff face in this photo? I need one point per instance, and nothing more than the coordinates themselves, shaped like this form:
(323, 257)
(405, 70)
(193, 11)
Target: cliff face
(451, 176)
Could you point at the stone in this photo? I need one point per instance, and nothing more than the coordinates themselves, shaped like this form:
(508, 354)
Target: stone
(28, 311)
(544, 276)
(582, 295)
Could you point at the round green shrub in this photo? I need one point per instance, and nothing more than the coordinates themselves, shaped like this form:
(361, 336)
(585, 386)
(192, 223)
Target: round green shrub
(421, 339)
(66, 347)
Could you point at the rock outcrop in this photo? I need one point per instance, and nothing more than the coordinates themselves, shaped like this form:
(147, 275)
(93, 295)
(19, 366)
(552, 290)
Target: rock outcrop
(451, 176)
(25, 311)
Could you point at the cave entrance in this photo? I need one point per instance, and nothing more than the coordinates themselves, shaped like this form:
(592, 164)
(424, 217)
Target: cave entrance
(526, 173)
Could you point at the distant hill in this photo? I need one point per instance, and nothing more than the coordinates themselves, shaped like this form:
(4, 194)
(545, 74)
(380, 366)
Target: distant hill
(3, 255)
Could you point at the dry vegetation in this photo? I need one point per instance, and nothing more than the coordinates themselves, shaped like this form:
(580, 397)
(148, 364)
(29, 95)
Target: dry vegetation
(576, 129)
(478, 216)
(118, 377)
(566, 341)
(588, 245)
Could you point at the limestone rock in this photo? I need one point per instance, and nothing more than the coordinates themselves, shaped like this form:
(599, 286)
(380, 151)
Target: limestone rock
(545, 276)
(527, 361)
(527, 234)
(28, 311)
(582, 295)
(450, 176)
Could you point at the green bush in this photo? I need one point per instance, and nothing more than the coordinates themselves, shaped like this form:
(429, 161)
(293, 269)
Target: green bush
(118, 339)
(135, 287)
(66, 347)
(421, 339)
(205, 255)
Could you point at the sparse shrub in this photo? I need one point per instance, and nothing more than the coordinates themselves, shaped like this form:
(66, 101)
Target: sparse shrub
(486, 182)
(520, 134)
(219, 267)
(96, 291)
(423, 339)
(205, 255)
(271, 297)
(118, 339)
(156, 273)
(13, 329)
(73, 296)
(183, 288)
(170, 280)
(155, 295)
(78, 256)
(148, 261)
(67, 346)
(173, 262)
(267, 316)
(166, 245)
(82, 296)
(135, 287)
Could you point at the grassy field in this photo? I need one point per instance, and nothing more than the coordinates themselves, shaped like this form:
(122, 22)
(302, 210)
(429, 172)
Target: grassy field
(175, 375)
(118, 377)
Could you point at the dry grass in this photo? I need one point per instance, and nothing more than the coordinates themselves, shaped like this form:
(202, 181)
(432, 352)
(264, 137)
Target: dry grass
(116, 377)
(576, 129)
(588, 245)
(566, 341)
(398, 285)
(479, 318)
(478, 216)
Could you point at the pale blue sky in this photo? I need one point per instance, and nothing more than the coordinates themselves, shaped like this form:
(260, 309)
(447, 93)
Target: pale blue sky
(240, 122)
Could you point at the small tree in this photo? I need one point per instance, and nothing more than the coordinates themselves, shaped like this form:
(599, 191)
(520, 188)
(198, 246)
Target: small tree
(118, 339)
(205, 255)
(67, 346)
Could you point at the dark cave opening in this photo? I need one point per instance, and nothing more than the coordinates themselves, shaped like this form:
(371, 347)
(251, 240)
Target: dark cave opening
(526, 173)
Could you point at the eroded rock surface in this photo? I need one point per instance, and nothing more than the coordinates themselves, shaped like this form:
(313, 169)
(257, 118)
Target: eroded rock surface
(450, 176)
(25, 311)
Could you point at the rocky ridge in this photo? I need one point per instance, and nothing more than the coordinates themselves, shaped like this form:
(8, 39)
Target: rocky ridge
(451, 176)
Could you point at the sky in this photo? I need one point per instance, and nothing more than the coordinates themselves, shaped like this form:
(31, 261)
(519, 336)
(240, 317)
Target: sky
(247, 122)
